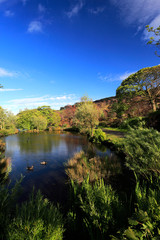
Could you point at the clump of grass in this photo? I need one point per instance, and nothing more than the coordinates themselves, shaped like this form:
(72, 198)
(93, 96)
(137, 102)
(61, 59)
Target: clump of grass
(97, 210)
(81, 166)
(36, 219)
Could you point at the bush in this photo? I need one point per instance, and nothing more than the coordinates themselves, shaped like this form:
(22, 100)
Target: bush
(142, 149)
(6, 132)
(137, 122)
(98, 136)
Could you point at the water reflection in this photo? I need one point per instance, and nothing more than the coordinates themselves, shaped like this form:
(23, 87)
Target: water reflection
(5, 168)
(31, 149)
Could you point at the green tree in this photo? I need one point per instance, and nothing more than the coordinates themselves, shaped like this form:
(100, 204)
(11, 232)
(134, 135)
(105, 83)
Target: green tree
(155, 39)
(25, 119)
(3, 118)
(144, 83)
(39, 122)
(86, 116)
(53, 118)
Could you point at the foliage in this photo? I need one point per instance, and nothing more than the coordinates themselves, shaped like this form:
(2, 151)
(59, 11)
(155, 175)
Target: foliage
(136, 122)
(36, 219)
(119, 108)
(86, 116)
(39, 122)
(144, 83)
(145, 221)
(98, 209)
(142, 149)
(40, 118)
(156, 39)
(98, 136)
(7, 205)
(7, 120)
(53, 118)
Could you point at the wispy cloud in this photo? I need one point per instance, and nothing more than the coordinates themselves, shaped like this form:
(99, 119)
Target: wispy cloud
(8, 13)
(24, 2)
(33, 102)
(138, 11)
(35, 27)
(97, 10)
(2, 1)
(114, 77)
(41, 8)
(75, 9)
(6, 73)
(9, 90)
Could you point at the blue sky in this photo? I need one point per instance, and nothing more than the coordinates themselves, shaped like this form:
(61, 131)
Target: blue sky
(54, 52)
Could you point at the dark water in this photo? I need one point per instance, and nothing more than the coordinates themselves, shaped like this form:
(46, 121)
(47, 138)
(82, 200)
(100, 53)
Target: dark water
(29, 149)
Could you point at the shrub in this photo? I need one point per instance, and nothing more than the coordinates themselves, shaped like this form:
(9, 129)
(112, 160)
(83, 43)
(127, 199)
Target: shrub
(98, 136)
(142, 149)
(137, 122)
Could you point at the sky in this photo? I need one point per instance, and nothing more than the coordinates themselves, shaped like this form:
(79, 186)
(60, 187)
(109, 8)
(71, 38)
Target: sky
(52, 52)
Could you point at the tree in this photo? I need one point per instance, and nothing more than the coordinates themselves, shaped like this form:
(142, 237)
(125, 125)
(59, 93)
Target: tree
(3, 118)
(144, 83)
(25, 119)
(39, 122)
(53, 118)
(155, 40)
(86, 116)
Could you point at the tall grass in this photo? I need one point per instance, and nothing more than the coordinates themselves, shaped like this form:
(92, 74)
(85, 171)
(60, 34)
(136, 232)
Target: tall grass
(36, 219)
(97, 210)
(32, 220)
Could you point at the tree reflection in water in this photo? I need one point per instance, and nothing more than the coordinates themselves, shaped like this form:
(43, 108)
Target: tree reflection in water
(5, 168)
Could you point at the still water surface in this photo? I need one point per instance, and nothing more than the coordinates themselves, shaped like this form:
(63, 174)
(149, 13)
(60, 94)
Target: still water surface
(29, 149)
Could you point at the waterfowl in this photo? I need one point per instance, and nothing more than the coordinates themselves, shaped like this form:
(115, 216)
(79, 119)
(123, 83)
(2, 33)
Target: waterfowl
(43, 163)
(30, 168)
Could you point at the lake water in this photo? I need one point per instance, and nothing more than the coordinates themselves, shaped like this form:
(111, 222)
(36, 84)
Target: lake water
(29, 149)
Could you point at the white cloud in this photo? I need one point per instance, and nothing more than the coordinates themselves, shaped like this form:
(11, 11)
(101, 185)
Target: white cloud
(33, 102)
(114, 78)
(96, 11)
(75, 9)
(9, 90)
(6, 73)
(9, 13)
(35, 27)
(41, 8)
